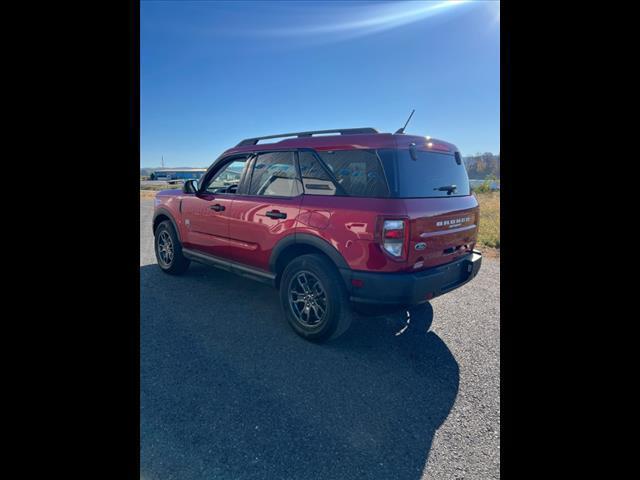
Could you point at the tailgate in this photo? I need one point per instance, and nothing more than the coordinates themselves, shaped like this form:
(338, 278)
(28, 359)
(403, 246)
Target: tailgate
(441, 229)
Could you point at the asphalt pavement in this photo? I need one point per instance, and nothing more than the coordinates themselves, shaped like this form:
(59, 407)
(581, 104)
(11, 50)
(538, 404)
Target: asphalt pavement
(229, 391)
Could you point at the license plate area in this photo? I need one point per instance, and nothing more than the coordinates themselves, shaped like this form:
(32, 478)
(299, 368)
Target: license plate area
(454, 275)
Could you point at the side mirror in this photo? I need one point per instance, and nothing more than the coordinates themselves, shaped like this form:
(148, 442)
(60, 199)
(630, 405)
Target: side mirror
(190, 186)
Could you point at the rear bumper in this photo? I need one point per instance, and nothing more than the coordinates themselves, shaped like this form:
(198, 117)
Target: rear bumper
(412, 288)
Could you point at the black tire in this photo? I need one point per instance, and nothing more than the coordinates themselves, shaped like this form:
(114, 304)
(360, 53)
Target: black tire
(166, 237)
(316, 269)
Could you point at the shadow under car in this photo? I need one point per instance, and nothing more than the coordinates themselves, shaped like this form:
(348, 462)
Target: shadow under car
(228, 390)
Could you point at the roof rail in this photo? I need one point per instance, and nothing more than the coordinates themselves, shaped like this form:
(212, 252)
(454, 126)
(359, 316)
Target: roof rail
(341, 131)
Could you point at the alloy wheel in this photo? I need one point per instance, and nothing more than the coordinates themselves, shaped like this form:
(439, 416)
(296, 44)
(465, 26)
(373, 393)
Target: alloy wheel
(165, 248)
(307, 299)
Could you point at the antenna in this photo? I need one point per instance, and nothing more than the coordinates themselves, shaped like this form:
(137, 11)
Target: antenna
(401, 130)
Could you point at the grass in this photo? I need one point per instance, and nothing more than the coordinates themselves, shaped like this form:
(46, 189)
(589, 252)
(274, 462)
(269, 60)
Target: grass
(489, 234)
(147, 193)
(157, 188)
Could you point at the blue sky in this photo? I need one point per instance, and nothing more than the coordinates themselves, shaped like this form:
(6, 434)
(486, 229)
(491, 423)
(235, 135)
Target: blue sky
(213, 73)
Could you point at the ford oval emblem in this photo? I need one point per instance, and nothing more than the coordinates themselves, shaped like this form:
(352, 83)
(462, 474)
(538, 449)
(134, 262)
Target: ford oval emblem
(420, 246)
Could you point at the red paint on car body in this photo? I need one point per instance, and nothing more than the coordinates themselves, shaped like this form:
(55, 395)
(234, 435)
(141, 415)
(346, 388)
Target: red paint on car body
(439, 230)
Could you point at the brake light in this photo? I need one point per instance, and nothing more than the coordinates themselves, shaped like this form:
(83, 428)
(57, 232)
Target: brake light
(393, 233)
(438, 146)
(395, 237)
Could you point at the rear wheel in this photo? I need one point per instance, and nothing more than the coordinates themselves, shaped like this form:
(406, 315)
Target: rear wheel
(314, 298)
(168, 250)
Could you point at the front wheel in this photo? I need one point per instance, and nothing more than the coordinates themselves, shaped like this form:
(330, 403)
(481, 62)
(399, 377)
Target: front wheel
(168, 250)
(314, 299)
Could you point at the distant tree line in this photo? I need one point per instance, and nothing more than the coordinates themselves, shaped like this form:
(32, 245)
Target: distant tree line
(483, 165)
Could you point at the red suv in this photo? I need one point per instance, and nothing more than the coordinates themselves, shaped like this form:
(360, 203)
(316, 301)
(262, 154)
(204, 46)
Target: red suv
(332, 219)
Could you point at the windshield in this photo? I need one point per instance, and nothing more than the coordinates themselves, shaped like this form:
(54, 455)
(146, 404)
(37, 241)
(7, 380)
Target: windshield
(431, 174)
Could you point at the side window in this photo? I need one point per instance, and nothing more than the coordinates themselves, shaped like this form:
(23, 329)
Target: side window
(227, 179)
(274, 173)
(358, 172)
(315, 179)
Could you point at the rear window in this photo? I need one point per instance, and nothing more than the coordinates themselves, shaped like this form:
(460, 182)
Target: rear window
(430, 175)
(358, 172)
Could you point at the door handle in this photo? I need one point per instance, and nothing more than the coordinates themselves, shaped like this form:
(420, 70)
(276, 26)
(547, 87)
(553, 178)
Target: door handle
(217, 207)
(276, 214)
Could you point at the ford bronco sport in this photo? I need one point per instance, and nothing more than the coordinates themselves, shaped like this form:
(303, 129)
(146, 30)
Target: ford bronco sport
(332, 219)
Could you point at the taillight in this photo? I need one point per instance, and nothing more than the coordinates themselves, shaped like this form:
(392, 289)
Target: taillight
(395, 237)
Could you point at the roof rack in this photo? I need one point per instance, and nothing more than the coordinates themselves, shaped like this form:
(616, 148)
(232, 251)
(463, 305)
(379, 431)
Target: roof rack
(341, 131)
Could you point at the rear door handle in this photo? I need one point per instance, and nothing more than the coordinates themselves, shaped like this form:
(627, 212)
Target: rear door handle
(276, 214)
(217, 207)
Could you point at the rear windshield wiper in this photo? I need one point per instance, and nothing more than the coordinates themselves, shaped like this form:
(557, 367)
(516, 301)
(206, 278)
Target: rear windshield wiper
(447, 188)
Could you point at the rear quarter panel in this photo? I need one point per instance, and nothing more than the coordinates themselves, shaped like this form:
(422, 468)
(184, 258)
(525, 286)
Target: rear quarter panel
(349, 225)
